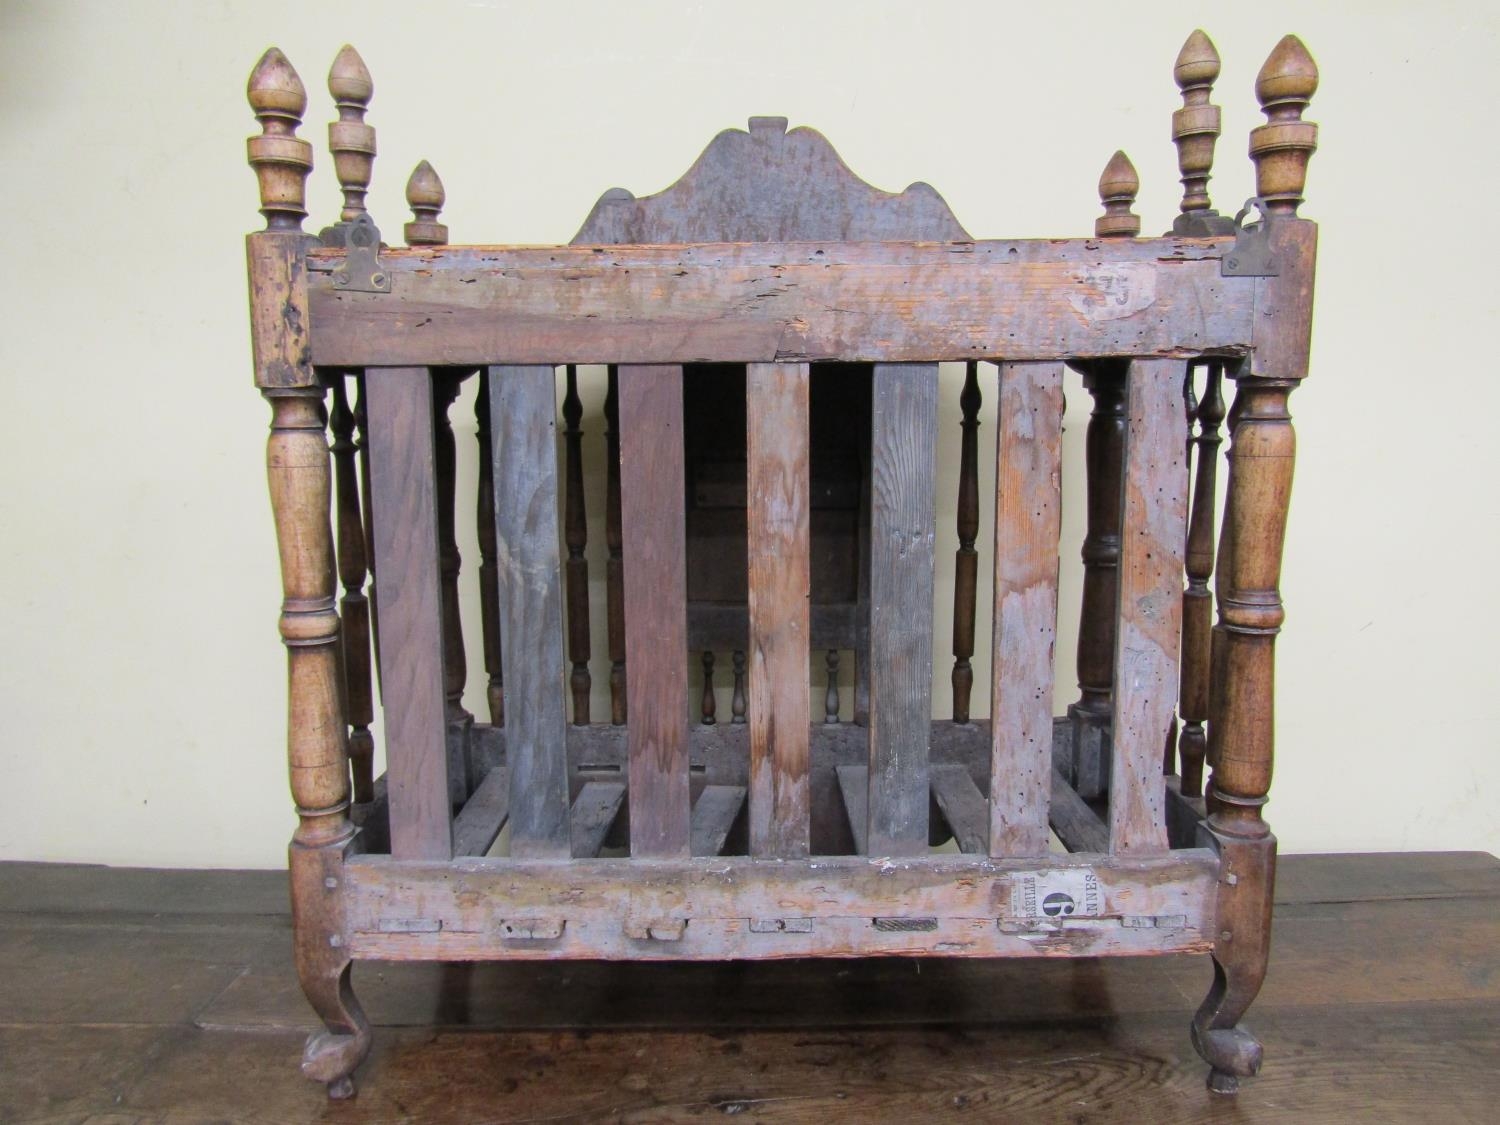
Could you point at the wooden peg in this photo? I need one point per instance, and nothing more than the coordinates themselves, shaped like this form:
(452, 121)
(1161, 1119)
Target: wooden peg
(425, 197)
(281, 159)
(351, 141)
(1117, 190)
(1195, 127)
(1282, 146)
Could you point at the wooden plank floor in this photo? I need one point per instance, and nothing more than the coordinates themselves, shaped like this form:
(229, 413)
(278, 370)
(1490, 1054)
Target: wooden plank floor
(133, 996)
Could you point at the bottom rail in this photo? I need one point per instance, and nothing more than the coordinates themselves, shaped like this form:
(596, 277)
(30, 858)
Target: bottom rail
(734, 908)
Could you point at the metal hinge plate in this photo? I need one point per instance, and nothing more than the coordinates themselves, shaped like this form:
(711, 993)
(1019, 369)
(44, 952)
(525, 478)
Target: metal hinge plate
(1250, 256)
(361, 271)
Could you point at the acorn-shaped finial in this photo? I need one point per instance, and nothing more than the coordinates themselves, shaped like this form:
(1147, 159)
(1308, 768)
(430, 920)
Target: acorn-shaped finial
(1118, 186)
(281, 159)
(425, 197)
(350, 139)
(1195, 127)
(1282, 146)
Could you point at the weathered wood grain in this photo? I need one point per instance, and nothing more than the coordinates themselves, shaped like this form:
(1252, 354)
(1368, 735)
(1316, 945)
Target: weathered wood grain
(403, 498)
(1149, 629)
(767, 185)
(780, 576)
(280, 331)
(479, 822)
(1076, 824)
(714, 814)
(652, 495)
(523, 420)
(963, 806)
(903, 446)
(712, 908)
(792, 302)
(594, 812)
(854, 787)
(1028, 522)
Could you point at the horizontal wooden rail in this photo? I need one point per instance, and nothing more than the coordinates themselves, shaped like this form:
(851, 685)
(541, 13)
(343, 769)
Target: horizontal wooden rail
(791, 302)
(717, 908)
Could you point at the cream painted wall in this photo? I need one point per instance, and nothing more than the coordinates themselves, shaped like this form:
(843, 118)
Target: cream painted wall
(142, 691)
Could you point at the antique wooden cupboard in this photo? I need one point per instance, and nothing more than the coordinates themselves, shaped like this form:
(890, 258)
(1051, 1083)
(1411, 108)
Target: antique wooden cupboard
(773, 327)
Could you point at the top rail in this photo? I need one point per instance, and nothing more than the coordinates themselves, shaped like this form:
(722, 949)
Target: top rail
(787, 302)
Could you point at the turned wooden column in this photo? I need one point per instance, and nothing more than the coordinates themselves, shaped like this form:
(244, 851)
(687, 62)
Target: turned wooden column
(966, 559)
(297, 469)
(489, 576)
(614, 572)
(576, 535)
(1104, 460)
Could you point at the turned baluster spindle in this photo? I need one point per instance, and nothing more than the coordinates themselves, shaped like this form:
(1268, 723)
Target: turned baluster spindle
(489, 574)
(350, 138)
(1282, 147)
(1190, 412)
(614, 570)
(1118, 186)
(362, 448)
(966, 559)
(1195, 131)
(354, 610)
(1197, 601)
(831, 696)
(709, 706)
(737, 700)
(575, 533)
(281, 159)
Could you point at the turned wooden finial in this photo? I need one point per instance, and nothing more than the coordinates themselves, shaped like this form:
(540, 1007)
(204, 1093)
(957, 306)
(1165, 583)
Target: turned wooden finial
(1117, 190)
(1195, 127)
(1282, 146)
(425, 197)
(350, 139)
(281, 159)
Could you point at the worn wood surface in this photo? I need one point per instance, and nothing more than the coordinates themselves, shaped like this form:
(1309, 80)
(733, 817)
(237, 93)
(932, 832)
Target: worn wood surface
(523, 420)
(780, 575)
(965, 809)
(745, 908)
(479, 822)
(404, 498)
(131, 993)
(791, 302)
(655, 608)
(1077, 825)
(593, 815)
(714, 814)
(768, 184)
(854, 788)
(1149, 630)
(903, 449)
(1028, 523)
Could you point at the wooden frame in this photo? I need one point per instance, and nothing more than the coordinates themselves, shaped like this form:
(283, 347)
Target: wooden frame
(781, 837)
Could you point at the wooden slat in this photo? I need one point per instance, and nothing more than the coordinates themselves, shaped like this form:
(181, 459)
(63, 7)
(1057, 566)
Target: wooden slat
(1077, 826)
(795, 302)
(652, 499)
(479, 822)
(1148, 635)
(714, 814)
(779, 577)
(1028, 521)
(903, 445)
(593, 815)
(963, 806)
(523, 422)
(404, 501)
(854, 787)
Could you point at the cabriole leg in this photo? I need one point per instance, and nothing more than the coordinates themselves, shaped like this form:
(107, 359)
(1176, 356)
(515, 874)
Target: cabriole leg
(298, 471)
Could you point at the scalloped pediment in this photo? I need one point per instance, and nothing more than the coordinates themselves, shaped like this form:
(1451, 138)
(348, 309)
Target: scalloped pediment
(771, 185)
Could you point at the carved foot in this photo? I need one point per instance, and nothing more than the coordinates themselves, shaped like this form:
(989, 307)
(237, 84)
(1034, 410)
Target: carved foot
(1232, 1052)
(332, 1055)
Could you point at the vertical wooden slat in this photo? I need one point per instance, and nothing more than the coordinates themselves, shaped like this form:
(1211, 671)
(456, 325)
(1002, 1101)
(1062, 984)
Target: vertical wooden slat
(780, 573)
(652, 503)
(1148, 630)
(403, 495)
(903, 444)
(523, 421)
(1028, 520)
